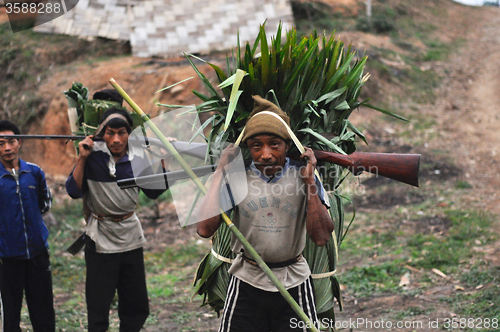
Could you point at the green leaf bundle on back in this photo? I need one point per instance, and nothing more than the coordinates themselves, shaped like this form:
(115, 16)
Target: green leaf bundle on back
(76, 94)
(317, 81)
(84, 114)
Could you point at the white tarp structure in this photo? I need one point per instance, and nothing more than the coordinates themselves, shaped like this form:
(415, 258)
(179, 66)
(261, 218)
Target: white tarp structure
(171, 27)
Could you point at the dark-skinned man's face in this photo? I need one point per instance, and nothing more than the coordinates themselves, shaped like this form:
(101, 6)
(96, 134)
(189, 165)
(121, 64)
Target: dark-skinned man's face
(9, 149)
(268, 153)
(116, 141)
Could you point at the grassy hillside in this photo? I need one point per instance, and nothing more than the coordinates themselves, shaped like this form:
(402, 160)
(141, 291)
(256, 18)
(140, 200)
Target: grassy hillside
(411, 254)
(28, 58)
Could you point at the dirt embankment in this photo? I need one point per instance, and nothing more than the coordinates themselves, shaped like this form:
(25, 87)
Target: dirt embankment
(140, 78)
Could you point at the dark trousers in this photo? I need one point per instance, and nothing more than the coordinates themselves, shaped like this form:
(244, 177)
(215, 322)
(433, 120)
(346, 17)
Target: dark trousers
(35, 278)
(249, 309)
(108, 273)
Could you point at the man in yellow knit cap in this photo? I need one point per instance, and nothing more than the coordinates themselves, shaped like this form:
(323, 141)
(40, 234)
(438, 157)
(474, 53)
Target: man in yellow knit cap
(285, 201)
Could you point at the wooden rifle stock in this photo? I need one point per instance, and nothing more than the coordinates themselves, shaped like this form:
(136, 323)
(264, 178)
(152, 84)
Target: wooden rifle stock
(399, 167)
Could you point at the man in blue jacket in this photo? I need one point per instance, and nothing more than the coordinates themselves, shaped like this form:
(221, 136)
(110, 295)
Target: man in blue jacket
(24, 256)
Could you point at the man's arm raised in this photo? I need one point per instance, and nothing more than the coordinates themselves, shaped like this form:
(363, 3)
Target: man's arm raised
(319, 225)
(85, 148)
(208, 211)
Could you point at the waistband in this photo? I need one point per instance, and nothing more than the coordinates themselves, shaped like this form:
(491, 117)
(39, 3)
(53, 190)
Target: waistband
(113, 218)
(274, 265)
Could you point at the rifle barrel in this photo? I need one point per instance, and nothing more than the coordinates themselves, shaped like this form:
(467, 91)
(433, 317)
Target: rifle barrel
(400, 167)
(162, 177)
(47, 137)
(197, 150)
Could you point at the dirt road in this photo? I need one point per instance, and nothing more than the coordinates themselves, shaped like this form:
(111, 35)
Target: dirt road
(469, 108)
(467, 117)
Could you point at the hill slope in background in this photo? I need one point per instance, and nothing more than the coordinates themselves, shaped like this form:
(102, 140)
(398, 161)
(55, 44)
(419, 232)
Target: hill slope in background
(435, 63)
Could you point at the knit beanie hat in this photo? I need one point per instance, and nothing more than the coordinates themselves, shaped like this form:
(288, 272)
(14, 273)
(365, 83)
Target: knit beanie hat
(266, 123)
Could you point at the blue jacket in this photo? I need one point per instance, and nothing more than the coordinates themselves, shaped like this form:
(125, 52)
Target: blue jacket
(23, 233)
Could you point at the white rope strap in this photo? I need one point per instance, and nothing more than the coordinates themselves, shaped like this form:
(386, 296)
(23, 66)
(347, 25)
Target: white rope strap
(222, 258)
(85, 126)
(323, 275)
(314, 276)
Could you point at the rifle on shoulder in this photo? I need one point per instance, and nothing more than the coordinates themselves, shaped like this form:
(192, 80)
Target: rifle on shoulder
(47, 137)
(400, 167)
(193, 149)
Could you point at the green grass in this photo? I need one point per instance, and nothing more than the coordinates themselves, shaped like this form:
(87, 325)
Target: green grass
(480, 304)
(161, 285)
(480, 274)
(483, 296)
(366, 280)
(361, 244)
(412, 311)
(460, 184)
(383, 254)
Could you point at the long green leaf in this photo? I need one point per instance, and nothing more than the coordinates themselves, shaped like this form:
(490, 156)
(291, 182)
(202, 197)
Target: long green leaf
(338, 74)
(231, 108)
(342, 106)
(298, 68)
(173, 105)
(386, 112)
(357, 132)
(356, 73)
(235, 95)
(202, 127)
(203, 78)
(170, 86)
(328, 97)
(322, 139)
(264, 57)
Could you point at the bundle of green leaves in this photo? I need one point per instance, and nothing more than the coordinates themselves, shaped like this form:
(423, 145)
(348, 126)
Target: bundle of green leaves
(317, 81)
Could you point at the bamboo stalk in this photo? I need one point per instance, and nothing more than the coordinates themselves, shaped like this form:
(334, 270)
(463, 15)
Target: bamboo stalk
(248, 247)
